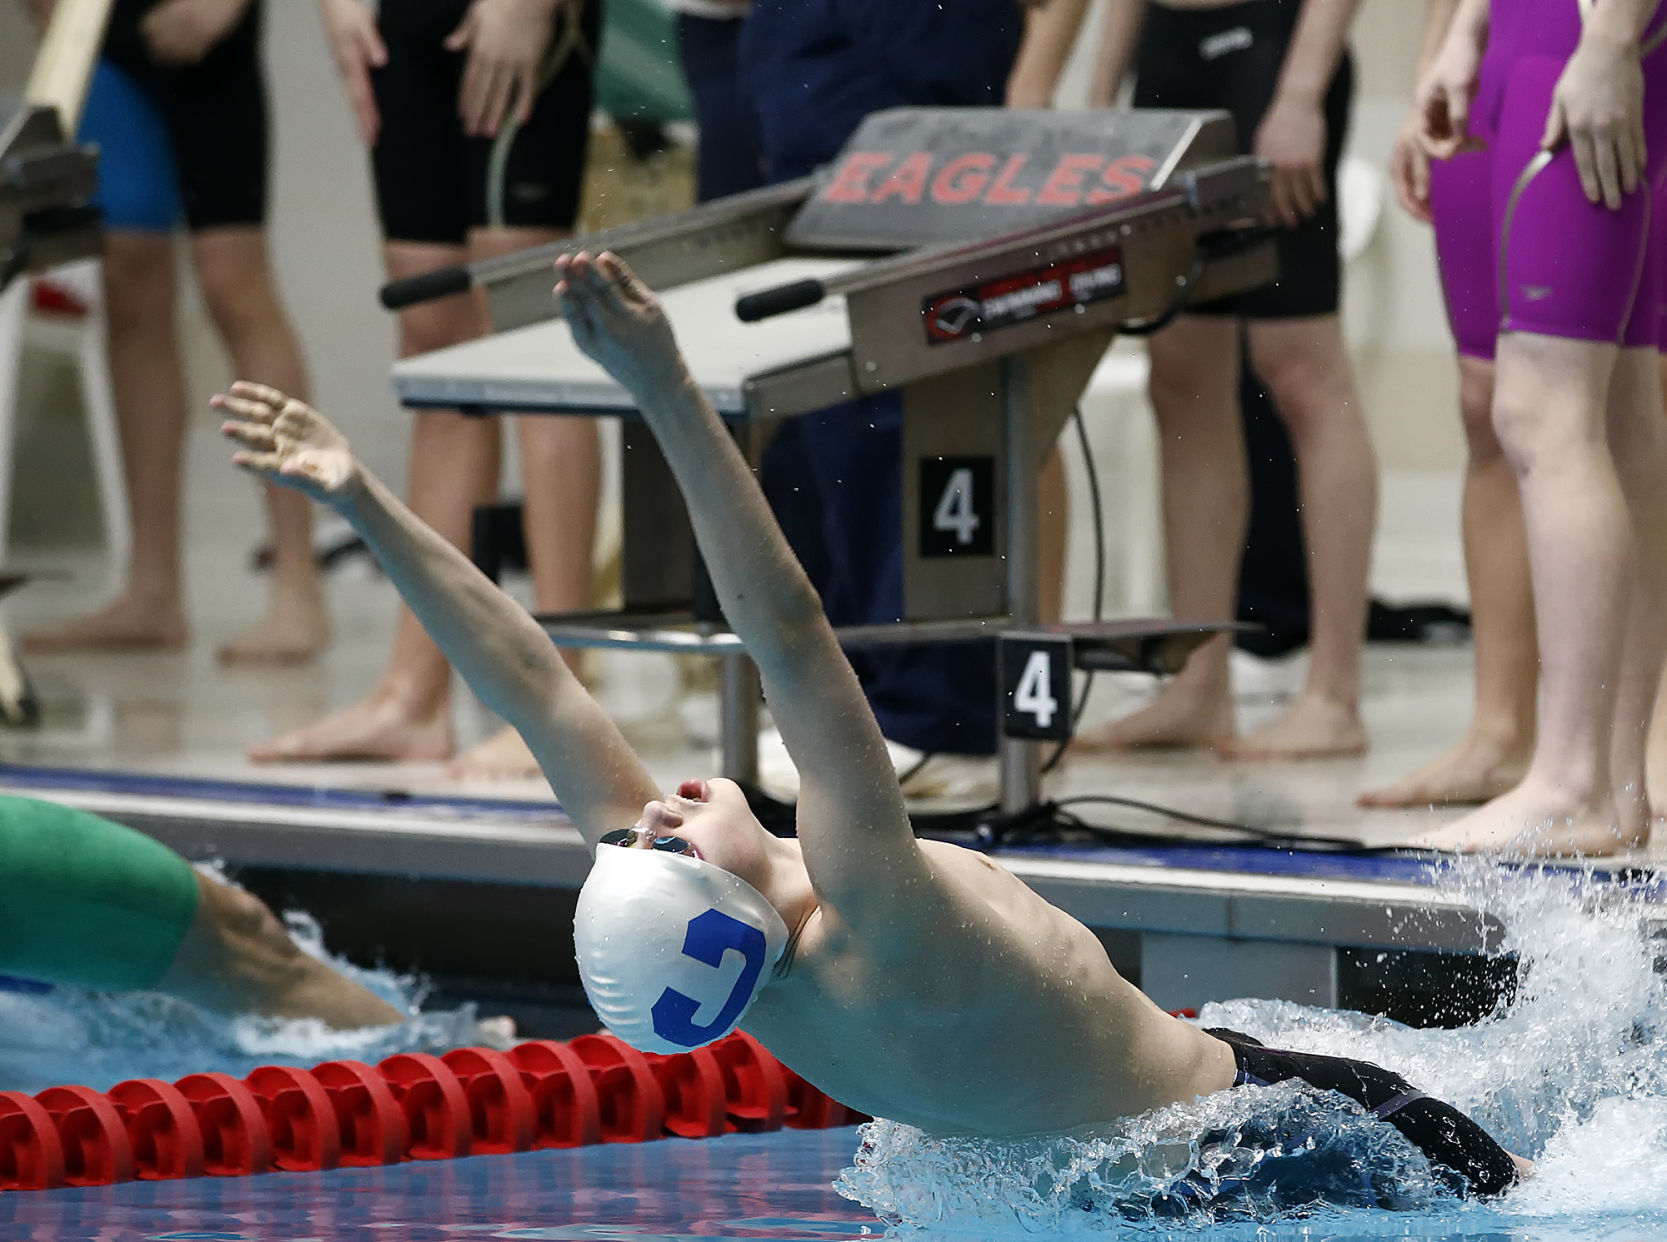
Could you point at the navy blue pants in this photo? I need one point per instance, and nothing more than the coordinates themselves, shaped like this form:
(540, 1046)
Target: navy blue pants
(731, 154)
(815, 69)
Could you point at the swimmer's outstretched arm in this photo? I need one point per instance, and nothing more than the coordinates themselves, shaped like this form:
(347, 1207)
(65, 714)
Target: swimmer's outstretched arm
(500, 650)
(859, 850)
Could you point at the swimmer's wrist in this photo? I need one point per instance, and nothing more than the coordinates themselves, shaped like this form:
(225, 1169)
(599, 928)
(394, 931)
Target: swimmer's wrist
(1617, 26)
(351, 499)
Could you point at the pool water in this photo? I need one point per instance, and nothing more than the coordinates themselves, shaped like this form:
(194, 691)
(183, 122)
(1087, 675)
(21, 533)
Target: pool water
(1572, 1072)
(766, 1186)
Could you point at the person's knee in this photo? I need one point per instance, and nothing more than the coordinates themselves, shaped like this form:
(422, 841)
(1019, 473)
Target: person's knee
(1304, 367)
(435, 325)
(1193, 367)
(138, 283)
(1546, 411)
(237, 290)
(1476, 411)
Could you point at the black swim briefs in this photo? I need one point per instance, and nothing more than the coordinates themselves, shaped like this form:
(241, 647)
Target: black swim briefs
(1463, 1154)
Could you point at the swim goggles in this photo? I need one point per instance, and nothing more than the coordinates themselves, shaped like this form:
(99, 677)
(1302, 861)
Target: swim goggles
(632, 838)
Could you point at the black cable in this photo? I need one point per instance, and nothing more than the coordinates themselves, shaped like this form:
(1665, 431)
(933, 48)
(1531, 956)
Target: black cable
(1301, 840)
(1053, 819)
(1099, 579)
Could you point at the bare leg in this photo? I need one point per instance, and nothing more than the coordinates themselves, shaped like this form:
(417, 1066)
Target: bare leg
(237, 958)
(236, 279)
(454, 467)
(1493, 756)
(1550, 401)
(150, 406)
(1638, 441)
(1656, 753)
(1194, 391)
(561, 472)
(1305, 364)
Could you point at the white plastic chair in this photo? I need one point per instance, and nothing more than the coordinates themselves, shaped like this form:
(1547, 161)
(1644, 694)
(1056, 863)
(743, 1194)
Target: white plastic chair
(80, 305)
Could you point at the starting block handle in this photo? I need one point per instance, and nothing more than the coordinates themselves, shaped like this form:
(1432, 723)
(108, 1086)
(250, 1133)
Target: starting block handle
(441, 283)
(767, 303)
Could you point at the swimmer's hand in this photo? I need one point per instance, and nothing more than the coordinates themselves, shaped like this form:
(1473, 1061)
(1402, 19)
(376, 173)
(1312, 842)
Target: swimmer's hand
(1409, 168)
(1447, 89)
(182, 32)
(1292, 137)
(618, 323)
(358, 49)
(506, 41)
(287, 441)
(1598, 108)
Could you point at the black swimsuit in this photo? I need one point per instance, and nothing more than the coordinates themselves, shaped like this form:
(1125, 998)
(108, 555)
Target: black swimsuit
(1454, 1143)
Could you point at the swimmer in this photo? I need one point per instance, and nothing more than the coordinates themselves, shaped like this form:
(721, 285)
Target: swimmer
(913, 980)
(1455, 195)
(91, 904)
(1576, 122)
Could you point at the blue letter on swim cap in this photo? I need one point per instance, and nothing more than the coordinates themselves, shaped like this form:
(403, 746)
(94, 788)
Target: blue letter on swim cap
(710, 935)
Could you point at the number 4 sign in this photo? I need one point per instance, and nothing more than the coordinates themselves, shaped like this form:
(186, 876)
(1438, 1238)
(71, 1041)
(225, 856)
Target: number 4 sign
(1036, 686)
(957, 506)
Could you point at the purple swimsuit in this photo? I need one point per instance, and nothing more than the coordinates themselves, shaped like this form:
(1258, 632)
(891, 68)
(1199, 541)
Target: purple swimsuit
(1521, 249)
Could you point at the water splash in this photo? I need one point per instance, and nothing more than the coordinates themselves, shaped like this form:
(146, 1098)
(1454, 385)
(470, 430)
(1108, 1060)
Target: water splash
(1571, 1070)
(97, 1039)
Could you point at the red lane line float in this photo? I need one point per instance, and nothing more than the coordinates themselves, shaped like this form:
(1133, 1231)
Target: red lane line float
(31, 1154)
(370, 1123)
(755, 1084)
(162, 1126)
(809, 1109)
(300, 1116)
(564, 1097)
(692, 1086)
(411, 1106)
(236, 1142)
(501, 1113)
(96, 1149)
(435, 1105)
(628, 1095)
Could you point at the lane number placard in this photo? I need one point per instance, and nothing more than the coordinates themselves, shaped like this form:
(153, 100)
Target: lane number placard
(1036, 686)
(957, 506)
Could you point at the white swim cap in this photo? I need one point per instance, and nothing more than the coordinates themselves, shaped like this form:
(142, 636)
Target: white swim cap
(672, 949)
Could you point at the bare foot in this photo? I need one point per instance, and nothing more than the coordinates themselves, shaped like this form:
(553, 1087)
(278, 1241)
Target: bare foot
(1635, 816)
(1179, 717)
(1473, 772)
(1533, 820)
(294, 630)
(378, 728)
(125, 624)
(1313, 727)
(502, 757)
